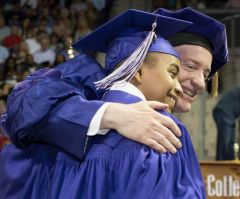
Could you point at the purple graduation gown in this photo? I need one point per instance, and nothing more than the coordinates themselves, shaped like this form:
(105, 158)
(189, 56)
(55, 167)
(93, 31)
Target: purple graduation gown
(113, 168)
(47, 113)
(43, 108)
(116, 168)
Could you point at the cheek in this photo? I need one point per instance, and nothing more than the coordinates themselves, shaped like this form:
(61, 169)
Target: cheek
(158, 87)
(169, 84)
(150, 87)
(183, 76)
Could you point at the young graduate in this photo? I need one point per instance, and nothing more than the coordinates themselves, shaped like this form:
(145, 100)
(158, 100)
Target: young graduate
(146, 68)
(38, 170)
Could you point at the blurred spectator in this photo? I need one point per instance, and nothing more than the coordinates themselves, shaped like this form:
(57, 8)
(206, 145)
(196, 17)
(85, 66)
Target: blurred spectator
(26, 28)
(4, 91)
(14, 38)
(99, 4)
(2, 109)
(9, 77)
(107, 10)
(66, 17)
(49, 17)
(60, 58)
(65, 13)
(3, 138)
(92, 15)
(28, 66)
(4, 54)
(44, 25)
(64, 3)
(225, 115)
(45, 56)
(59, 28)
(30, 63)
(201, 5)
(233, 4)
(14, 13)
(55, 42)
(68, 52)
(79, 6)
(10, 71)
(4, 29)
(46, 3)
(34, 42)
(172, 4)
(31, 3)
(21, 56)
(159, 4)
(197, 4)
(82, 27)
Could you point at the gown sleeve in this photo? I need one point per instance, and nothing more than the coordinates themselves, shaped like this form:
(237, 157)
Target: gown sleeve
(51, 106)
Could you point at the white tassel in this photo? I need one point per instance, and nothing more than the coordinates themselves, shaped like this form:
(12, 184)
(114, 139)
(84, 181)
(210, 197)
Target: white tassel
(130, 66)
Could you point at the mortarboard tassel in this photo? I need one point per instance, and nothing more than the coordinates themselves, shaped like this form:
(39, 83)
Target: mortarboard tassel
(130, 66)
(214, 89)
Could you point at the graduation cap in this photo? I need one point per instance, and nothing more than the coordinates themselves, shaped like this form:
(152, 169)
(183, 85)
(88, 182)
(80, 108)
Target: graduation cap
(129, 37)
(205, 31)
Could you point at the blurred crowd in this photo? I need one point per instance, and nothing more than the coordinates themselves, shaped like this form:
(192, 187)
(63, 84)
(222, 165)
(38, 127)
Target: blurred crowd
(36, 34)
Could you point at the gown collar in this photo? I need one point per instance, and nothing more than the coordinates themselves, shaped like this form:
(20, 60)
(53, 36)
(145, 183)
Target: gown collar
(128, 88)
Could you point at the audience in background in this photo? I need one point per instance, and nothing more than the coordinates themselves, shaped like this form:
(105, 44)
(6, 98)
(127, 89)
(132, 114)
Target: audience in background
(36, 34)
(4, 29)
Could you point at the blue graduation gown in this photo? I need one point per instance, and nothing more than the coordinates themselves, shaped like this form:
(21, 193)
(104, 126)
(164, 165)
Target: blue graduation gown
(116, 168)
(46, 112)
(49, 102)
(113, 168)
(26, 174)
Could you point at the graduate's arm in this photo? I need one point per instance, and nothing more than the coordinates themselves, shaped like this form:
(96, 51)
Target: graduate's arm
(67, 125)
(43, 113)
(150, 128)
(51, 110)
(36, 105)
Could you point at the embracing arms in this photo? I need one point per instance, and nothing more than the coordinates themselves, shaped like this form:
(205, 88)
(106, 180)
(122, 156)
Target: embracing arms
(51, 107)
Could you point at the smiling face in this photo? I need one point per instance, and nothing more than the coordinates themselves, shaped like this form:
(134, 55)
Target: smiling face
(194, 70)
(158, 78)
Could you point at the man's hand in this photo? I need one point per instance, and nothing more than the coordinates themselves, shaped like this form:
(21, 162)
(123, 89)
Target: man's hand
(141, 123)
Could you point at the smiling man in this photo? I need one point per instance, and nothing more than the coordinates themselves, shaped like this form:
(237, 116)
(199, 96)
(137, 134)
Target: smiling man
(195, 68)
(203, 51)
